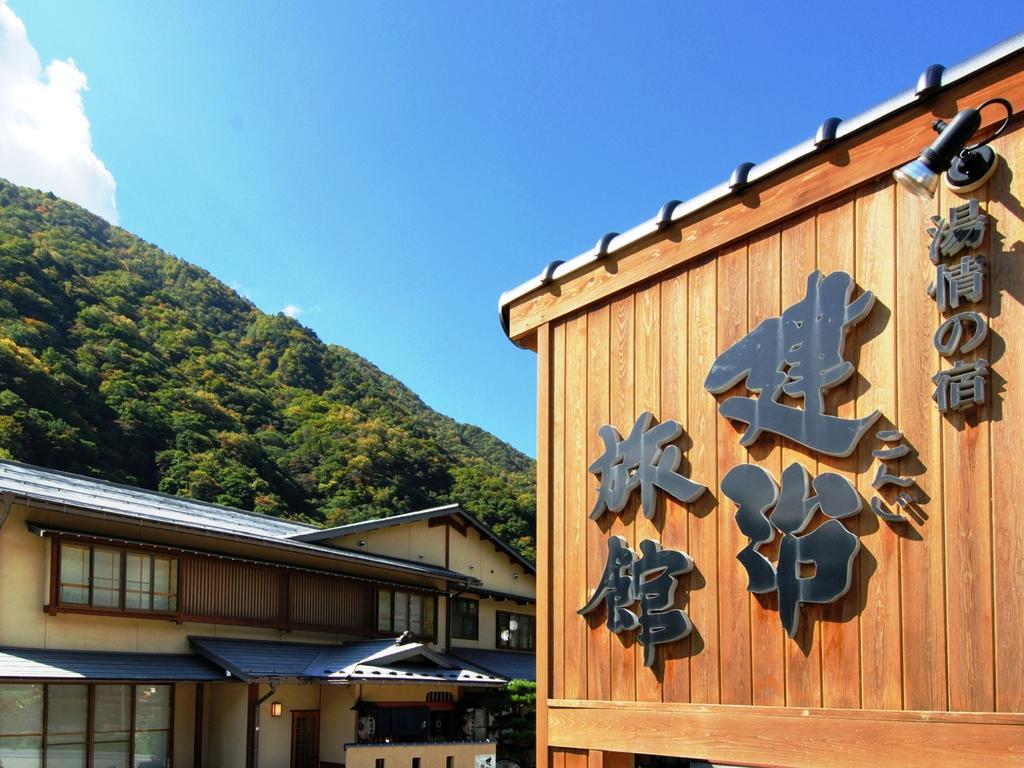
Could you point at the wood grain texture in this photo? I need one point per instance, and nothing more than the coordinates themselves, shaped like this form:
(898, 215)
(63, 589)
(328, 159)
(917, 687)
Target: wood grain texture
(921, 541)
(558, 570)
(879, 576)
(966, 491)
(648, 398)
(767, 638)
(576, 510)
(621, 370)
(598, 636)
(734, 600)
(1006, 223)
(795, 738)
(545, 404)
(702, 517)
(840, 629)
(674, 397)
(803, 653)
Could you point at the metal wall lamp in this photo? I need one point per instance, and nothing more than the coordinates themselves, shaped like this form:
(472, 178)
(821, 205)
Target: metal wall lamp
(966, 168)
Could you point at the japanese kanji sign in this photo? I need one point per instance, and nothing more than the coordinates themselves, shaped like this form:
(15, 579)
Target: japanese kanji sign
(766, 512)
(649, 580)
(644, 460)
(799, 354)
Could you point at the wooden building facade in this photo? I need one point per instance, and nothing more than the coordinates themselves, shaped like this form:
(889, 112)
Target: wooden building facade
(921, 661)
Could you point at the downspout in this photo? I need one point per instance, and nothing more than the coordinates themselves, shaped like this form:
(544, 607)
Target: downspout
(6, 500)
(256, 725)
(449, 597)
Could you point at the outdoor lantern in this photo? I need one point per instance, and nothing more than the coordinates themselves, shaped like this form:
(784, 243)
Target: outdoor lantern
(276, 709)
(966, 168)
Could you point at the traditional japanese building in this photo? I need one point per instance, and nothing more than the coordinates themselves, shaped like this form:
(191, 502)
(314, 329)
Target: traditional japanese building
(143, 630)
(778, 505)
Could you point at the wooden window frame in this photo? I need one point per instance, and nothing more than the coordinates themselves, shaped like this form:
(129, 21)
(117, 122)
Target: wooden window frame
(431, 638)
(497, 631)
(56, 605)
(476, 616)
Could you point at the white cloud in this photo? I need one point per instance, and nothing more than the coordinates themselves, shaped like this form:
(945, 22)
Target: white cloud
(45, 141)
(292, 311)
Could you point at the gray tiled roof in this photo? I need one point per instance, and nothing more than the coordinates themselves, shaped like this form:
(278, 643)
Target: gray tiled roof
(86, 492)
(512, 665)
(99, 496)
(48, 664)
(384, 661)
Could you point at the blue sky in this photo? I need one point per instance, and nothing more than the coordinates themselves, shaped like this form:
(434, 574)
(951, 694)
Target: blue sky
(385, 170)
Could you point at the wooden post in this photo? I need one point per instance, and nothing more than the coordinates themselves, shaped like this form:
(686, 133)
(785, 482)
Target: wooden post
(197, 728)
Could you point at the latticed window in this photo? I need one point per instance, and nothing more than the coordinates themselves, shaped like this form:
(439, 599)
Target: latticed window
(108, 578)
(465, 618)
(515, 631)
(399, 612)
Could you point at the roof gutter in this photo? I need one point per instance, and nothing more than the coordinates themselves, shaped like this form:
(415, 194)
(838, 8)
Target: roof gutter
(932, 80)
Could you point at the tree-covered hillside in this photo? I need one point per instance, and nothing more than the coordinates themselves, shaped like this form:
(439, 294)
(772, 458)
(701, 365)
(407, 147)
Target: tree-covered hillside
(120, 361)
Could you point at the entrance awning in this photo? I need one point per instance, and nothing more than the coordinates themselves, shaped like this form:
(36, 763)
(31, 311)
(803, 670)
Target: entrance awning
(372, 661)
(38, 664)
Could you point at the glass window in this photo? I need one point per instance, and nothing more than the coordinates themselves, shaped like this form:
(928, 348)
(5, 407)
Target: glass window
(401, 611)
(106, 578)
(515, 631)
(465, 618)
(92, 576)
(165, 584)
(66, 729)
(410, 611)
(152, 725)
(138, 581)
(67, 725)
(74, 574)
(21, 725)
(427, 628)
(112, 726)
(384, 610)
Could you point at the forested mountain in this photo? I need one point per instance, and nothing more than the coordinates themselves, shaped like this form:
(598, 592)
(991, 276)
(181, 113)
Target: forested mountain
(120, 361)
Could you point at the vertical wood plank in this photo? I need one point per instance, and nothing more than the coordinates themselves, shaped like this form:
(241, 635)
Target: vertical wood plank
(840, 630)
(598, 635)
(881, 643)
(921, 539)
(623, 646)
(545, 404)
(557, 573)
(576, 511)
(702, 518)
(648, 398)
(967, 486)
(674, 378)
(1006, 229)
(803, 652)
(768, 654)
(734, 605)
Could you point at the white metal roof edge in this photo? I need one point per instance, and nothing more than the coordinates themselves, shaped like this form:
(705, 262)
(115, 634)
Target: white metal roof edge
(931, 80)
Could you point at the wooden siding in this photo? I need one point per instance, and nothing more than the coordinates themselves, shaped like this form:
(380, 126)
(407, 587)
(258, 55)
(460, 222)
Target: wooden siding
(934, 621)
(259, 595)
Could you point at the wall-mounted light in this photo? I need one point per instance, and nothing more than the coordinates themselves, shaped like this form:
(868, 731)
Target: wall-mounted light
(276, 709)
(362, 542)
(966, 168)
